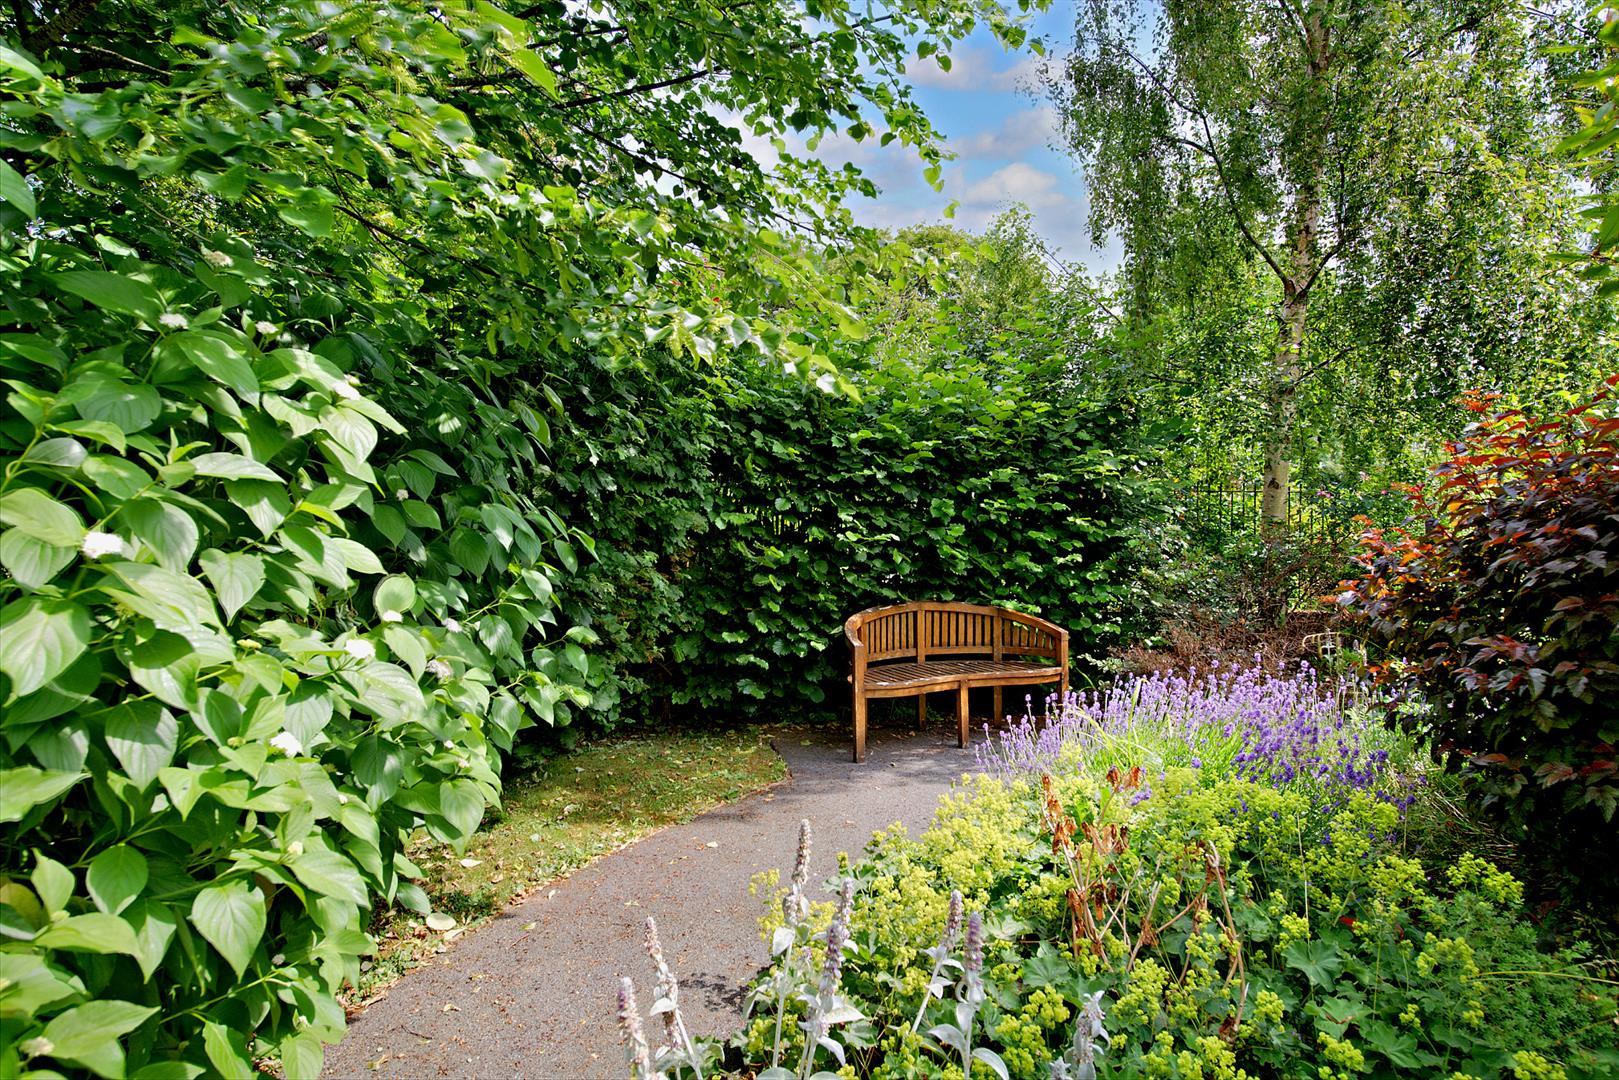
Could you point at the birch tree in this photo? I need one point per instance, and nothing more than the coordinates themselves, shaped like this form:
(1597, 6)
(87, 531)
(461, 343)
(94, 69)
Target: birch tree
(1312, 134)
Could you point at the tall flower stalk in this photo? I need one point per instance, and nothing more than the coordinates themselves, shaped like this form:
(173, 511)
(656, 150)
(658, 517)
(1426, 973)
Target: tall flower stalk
(629, 1022)
(942, 957)
(795, 909)
(667, 1003)
(825, 1008)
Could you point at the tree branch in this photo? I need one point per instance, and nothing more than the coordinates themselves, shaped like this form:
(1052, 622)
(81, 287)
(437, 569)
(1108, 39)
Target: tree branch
(60, 26)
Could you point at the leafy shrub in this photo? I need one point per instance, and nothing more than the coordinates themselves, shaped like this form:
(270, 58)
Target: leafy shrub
(1498, 607)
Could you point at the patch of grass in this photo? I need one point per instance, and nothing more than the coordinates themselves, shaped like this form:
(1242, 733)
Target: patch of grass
(561, 815)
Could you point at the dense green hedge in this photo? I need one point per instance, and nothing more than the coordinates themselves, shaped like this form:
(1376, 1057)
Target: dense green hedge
(740, 516)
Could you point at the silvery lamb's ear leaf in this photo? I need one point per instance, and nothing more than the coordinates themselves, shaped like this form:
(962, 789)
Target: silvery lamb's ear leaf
(843, 1013)
(777, 1072)
(992, 1059)
(781, 940)
(950, 1035)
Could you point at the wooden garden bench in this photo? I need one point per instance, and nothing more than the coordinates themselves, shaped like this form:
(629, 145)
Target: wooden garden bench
(926, 647)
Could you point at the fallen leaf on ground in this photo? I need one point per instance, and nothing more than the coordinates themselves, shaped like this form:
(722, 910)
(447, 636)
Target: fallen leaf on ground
(440, 922)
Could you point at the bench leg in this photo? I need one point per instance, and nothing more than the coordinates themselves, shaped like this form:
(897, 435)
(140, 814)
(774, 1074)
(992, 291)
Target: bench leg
(999, 708)
(859, 726)
(963, 722)
(921, 711)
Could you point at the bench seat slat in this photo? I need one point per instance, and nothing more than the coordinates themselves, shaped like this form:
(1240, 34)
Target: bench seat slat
(950, 672)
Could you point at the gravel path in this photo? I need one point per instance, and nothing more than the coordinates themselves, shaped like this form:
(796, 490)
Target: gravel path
(510, 1002)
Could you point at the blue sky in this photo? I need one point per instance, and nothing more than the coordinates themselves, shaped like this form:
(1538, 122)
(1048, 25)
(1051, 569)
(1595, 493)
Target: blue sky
(997, 119)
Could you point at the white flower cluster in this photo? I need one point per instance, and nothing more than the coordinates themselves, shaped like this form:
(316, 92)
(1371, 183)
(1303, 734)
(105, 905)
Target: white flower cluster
(287, 743)
(360, 649)
(96, 545)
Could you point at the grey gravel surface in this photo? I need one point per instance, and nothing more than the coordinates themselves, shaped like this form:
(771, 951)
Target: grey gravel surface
(510, 1002)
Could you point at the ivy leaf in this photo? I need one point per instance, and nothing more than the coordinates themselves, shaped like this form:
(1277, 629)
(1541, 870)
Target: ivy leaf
(116, 877)
(42, 637)
(231, 918)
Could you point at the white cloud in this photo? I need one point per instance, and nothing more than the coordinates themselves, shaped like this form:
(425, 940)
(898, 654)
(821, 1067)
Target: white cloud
(1019, 132)
(1017, 182)
(976, 70)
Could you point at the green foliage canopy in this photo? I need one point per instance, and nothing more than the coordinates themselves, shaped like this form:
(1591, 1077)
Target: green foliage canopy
(291, 292)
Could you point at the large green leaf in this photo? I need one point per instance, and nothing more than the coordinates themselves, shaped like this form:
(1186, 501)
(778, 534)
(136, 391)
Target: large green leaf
(15, 190)
(116, 877)
(88, 1034)
(176, 602)
(168, 530)
(96, 932)
(36, 514)
(236, 578)
(227, 1051)
(24, 788)
(1321, 961)
(114, 292)
(330, 874)
(231, 917)
(39, 638)
(30, 561)
(233, 467)
(461, 804)
(217, 356)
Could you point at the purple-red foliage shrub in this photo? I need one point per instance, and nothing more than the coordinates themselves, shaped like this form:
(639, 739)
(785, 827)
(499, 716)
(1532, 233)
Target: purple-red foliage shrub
(1498, 605)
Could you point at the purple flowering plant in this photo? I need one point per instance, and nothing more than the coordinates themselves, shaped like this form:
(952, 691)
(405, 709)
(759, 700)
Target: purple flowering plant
(1302, 729)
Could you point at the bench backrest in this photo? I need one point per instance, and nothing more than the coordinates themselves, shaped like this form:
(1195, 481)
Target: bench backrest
(935, 630)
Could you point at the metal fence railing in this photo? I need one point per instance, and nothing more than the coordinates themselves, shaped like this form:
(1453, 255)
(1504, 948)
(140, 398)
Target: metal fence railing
(1238, 504)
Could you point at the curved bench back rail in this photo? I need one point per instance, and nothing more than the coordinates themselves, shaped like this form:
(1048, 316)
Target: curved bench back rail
(914, 649)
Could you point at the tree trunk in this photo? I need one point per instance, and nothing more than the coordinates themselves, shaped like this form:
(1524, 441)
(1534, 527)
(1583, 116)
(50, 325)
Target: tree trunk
(1287, 371)
(1284, 407)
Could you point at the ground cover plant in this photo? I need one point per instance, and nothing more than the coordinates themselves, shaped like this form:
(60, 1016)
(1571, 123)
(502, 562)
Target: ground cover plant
(1243, 900)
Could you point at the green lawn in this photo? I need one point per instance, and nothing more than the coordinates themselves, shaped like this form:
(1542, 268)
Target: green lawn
(561, 815)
